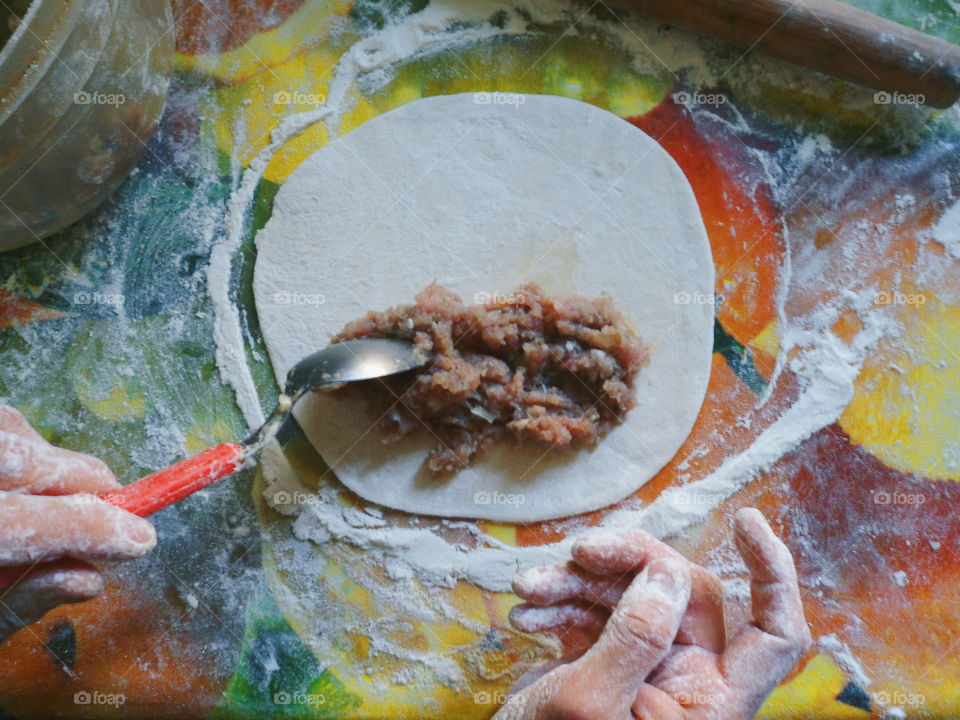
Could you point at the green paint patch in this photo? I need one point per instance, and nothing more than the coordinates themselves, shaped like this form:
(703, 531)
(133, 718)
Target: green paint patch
(935, 17)
(738, 358)
(278, 676)
(374, 14)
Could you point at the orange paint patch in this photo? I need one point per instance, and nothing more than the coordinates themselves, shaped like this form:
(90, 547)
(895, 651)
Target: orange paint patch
(127, 643)
(17, 311)
(741, 224)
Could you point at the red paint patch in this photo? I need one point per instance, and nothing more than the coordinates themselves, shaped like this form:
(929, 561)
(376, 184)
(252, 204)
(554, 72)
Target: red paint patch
(216, 26)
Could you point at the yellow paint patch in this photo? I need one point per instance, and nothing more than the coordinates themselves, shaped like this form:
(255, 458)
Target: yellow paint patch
(504, 533)
(768, 340)
(200, 438)
(812, 694)
(119, 404)
(906, 405)
(308, 26)
(243, 117)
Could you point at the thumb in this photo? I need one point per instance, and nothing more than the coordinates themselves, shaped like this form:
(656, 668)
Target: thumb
(43, 588)
(641, 630)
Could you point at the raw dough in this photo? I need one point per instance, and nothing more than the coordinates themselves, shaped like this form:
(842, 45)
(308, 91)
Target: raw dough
(482, 196)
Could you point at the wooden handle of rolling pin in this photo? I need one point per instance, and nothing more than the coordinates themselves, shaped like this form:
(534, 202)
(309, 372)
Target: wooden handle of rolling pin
(829, 36)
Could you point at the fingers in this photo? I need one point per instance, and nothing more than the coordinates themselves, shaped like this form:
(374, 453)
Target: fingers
(761, 654)
(652, 703)
(623, 552)
(531, 618)
(558, 583)
(703, 624)
(690, 676)
(41, 528)
(614, 553)
(33, 465)
(639, 633)
(774, 592)
(12, 421)
(44, 588)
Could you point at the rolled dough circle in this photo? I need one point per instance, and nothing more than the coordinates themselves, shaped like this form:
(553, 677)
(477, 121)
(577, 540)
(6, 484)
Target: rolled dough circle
(482, 195)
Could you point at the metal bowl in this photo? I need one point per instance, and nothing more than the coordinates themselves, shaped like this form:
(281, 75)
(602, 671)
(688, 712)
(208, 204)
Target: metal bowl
(82, 87)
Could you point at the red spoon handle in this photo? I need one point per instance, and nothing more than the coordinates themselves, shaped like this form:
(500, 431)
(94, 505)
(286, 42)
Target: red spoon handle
(154, 492)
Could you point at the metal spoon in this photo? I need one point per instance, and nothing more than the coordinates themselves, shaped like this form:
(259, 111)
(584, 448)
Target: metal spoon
(336, 364)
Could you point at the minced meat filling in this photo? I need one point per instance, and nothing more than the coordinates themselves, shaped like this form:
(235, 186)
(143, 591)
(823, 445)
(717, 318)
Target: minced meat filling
(558, 371)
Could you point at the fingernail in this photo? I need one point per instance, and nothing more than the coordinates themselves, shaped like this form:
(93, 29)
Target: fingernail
(535, 619)
(522, 581)
(667, 577)
(527, 581)
(138, 530)
(78, 584)
(516, 614)
(604, 545)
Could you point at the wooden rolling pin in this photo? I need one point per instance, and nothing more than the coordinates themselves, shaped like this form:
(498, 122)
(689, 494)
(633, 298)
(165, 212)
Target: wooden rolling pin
(829, 36)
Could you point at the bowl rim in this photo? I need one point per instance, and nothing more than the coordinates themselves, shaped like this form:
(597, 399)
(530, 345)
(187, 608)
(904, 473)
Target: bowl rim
(34, 46)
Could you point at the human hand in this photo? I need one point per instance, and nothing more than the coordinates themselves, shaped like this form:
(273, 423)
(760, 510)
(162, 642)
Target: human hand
(51, 523)
(660, 651)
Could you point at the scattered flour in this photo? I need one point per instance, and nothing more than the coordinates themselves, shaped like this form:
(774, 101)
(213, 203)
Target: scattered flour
(828, 365)
(825, 365)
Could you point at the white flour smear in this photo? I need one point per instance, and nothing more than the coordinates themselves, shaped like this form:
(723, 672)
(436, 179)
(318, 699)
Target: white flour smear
(824, 365)
(841, 653)
(947, 231)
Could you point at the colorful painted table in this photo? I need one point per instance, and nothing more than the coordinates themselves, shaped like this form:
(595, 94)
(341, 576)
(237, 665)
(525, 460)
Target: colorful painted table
(815, 195)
